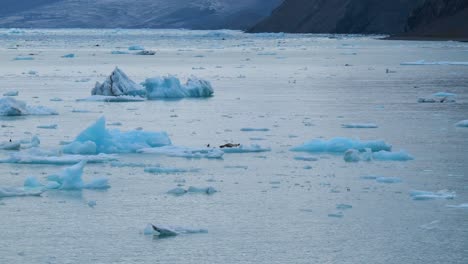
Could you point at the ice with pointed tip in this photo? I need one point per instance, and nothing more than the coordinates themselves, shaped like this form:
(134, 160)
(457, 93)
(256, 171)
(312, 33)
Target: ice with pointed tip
(118, 84)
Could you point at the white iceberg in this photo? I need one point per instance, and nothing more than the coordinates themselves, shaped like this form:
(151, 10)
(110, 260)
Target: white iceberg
(184, 152)
(170, 87)
(97, 139)
(341, 145)
(463, 123)
(118, 84)
(12, 107)
(425, 195)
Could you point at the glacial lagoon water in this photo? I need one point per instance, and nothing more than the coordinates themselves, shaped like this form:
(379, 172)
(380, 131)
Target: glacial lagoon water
(274, 90)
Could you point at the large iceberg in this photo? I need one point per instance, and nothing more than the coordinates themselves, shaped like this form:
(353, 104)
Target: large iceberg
(118, 84)
(97, 139)
(341, 145)
(12, 107)
(170, 87)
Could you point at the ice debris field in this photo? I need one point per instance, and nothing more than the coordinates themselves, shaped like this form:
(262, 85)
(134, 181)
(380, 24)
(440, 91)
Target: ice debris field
(226, 147)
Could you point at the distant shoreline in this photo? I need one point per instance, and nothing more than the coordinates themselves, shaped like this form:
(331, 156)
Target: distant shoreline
(426, 38)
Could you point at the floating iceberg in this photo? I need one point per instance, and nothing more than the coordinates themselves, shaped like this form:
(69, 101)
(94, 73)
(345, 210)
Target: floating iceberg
(23, 58)
(352, 155)
(363, 125)
(184, 152)
(111, 99)
(463, 123)
(305, 158)
(170, 87)
(118, 84)
(10, 145)
(423, 62)
(146, 52)
(52, 126)
(11, 107)
(11, 93)
(71, 179)
(444, 94)
(341, 145)
(161, 170)
(15, 192)
(425, 195)
(119, 52)
(246, 149)
(97, 139)
(388, 180)
(464, 205)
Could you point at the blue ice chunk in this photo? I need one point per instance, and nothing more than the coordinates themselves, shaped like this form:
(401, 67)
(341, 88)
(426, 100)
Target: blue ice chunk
(119, 52)
(70, 178)
(136, 47)
(360, 125)
(170, 87)
(305, 158)
(32, 182)
(463, 123)
(161, 170)
(70, 55)
(426, 195)
(12, 107)
(392, 156)
(11, 93)
(388, 180)
(444, 94)
(343, 206)
(250, 129)
(23, 58)
(114, 141)
(341, 145)
(18, 192)
(336, 215)
(52, 126)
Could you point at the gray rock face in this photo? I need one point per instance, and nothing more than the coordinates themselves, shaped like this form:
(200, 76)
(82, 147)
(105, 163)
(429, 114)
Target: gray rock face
(439, 19)
(191, 14)
(339, 16)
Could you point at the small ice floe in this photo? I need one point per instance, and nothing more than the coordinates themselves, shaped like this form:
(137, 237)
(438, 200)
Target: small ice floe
(246, 149)
(305, 158)
(430, 226)
(180, 191)
(354, 155)
(56, 99)
(463, 123)
(23, 58)
(69, 178)
(98, 139)
(28, 158)
(11, 93)
(341, 145)
(111, 99)
(463, 205)
(146, 52)
(136, 47)
(52, 126)
(91, 203)
(423, 62)
(336, 215)
(426, 195)
(161, 231)
(119, 52)
(359, 125)
(69, 56)
(18, 192)
(251, 129)
(444, 94)
(184, 152)
(118, 84)
(82, 80)
(32, 72)
(13, 145)
(436, 100)
(343, 206)
(162, 170)
(388, 180)
(170, 87)
(12, 107)
(119, 164)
